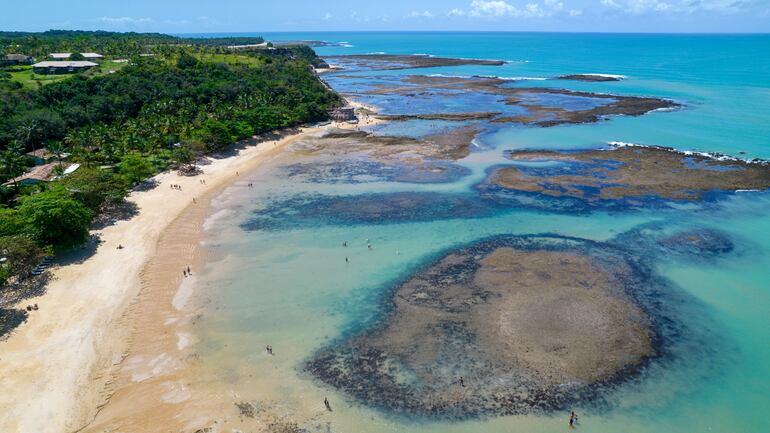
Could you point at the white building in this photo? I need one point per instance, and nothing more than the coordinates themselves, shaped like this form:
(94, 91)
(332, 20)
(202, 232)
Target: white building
(62, 67)
(64, 56)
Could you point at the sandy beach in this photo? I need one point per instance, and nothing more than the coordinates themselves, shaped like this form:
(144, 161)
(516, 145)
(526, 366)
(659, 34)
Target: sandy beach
(60, 367)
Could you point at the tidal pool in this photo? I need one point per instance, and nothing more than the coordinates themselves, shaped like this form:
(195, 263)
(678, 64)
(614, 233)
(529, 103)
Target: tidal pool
(384, 264)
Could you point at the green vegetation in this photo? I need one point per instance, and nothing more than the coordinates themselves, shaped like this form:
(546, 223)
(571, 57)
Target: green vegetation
(124, 122)
(112, 44)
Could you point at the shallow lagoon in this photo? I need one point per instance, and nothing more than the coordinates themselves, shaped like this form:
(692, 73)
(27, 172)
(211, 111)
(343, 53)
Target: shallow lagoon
(290, 287)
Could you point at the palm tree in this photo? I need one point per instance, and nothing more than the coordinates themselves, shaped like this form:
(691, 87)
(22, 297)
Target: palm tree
(57, 148)
(26, 131)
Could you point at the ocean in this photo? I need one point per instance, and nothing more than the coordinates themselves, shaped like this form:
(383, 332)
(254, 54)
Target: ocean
(292, 285)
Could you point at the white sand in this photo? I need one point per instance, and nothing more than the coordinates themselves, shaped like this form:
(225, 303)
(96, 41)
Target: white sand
(53, 368)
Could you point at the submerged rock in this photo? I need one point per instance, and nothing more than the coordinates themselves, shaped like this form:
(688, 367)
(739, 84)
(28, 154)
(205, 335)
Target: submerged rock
(395, 62)
(593, 176)
(507, 325)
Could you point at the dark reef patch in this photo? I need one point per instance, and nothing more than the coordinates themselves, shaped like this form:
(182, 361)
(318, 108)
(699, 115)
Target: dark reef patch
(694, 244)
(381, 62)
(542, 107)
(532, 324)
(378, 208)
(362, 170)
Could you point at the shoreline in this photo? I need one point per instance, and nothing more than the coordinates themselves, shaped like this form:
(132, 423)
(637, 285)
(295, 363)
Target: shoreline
(64, 362)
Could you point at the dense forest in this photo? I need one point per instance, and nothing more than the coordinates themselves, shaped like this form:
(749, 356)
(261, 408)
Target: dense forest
(156, 112)
(40, 45)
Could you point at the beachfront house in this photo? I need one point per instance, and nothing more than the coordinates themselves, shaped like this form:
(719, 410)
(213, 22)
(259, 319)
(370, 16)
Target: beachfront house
(44, 173)
(343, 114)
(15, 59)
(62, 67)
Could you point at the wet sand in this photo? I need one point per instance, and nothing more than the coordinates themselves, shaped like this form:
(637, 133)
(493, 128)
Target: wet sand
(107, 338)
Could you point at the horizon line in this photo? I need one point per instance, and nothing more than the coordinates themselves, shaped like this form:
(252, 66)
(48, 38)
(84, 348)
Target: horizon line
(401, 31)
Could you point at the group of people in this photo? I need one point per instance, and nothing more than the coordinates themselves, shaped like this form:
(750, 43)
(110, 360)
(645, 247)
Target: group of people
(187, 272)
(176, 186)
(269, 349)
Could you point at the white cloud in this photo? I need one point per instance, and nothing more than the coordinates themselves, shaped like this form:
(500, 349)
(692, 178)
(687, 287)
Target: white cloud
(327, 16)
(494, 8)
(123, 20)
(575, 13)
(637, 7)
(418, 14)
(456, 13)
(501, 8)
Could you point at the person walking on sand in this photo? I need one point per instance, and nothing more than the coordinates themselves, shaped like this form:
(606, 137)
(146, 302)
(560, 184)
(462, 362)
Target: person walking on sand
(462, 382)
(326, 403)
(572, 420)
(188, 270)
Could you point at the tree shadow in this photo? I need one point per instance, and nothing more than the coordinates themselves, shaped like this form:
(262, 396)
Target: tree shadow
(256, 140)
(109, 215)
(81, 253)
(146, 185)
(10, 319)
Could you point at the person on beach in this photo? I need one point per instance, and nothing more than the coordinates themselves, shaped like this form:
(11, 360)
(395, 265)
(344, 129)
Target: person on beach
(326, 403)
(346, 259)
(462, 382)
(269, 349)
(344, 243)
(184, 272)
(188, 270)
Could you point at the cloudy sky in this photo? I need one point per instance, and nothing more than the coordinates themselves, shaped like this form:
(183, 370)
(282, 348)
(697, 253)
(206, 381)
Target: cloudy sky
(176, 16)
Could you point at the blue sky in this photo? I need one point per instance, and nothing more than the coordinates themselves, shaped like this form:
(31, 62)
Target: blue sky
(176, 16)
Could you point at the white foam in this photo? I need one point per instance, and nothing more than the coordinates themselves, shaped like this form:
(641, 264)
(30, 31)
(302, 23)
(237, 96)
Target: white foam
(184, 340)
(615, 76)
(215, 218)
(184, 293)
(711, 155)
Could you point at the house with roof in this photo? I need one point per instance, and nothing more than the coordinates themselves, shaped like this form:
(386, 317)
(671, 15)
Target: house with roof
(15, 59)
(44, 173)
(62, 67)
(65, 56)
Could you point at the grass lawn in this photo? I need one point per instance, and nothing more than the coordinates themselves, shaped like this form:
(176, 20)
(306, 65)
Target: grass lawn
(31, 80)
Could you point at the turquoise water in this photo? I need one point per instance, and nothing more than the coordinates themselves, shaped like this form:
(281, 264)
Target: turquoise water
(290, 287)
